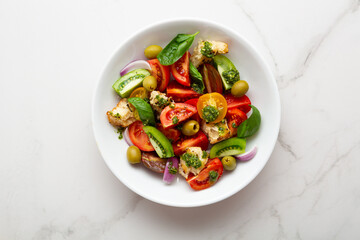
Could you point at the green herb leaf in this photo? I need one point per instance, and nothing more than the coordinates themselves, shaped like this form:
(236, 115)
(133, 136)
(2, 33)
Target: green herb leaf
(197, 81)
(176, 48)
(251, 125)
(144, 109)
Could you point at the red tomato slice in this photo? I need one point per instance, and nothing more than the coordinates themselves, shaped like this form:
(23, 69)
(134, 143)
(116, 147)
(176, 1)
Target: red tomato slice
(180, 93)
(171, 133)
(193, 102)
(161, 73)
(234, 118)
(238, 102)
(180, 70)
(139, 137)
(198, 140)
(202, 180)
(173, 116)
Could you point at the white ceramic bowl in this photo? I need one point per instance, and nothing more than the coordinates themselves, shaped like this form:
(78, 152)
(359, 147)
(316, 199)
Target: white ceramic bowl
(263, 94)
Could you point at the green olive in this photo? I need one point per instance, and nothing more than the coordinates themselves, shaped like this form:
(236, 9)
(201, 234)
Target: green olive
(152, 51)
(150, 83)
(240, 88)
(133, 155)
(190, 128)
(229, 163)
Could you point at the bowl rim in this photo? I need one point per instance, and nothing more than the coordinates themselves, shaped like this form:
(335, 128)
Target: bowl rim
(249, 45)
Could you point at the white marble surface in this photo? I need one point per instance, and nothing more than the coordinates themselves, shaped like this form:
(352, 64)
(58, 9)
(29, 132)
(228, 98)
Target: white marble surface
(54, 184)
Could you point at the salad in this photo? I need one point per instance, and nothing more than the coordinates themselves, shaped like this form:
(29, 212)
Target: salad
(185, 113)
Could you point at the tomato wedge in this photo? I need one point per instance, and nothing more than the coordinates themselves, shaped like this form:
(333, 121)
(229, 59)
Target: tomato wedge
(180, 70)
(193, 102)
(173, 116)
(171, 133)
(197, 140)
(234, 118)
(161, 73)
(208, 176)
(139, 138)
(211, 78)
(180, 93)
(238, 102)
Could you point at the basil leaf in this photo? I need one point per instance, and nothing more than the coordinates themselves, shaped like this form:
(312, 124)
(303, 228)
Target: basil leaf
(144, 109)
(251, 125)
(176, 48)
(197, 81)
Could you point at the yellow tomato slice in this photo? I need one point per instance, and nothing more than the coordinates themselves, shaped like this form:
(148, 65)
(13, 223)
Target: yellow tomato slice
(140, 92)
(215, 100)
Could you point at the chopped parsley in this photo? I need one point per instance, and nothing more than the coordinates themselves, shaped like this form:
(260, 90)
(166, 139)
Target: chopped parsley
(213, 175)
(231, 76)
(210, 113)
(172, 105)
(206, 50)
(172, 170)
(191, 160)
(120, 131)
(175, 120)
(234, 125)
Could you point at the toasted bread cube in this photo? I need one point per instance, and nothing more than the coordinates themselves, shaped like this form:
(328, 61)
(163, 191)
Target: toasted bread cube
(216, 132)
(194, 153)
(121, 115)
(217, 47)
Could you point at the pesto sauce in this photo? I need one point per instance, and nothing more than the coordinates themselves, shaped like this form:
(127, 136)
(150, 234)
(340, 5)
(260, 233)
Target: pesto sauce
(175, 120)
(213, 175)
(210, 113)
(231, 76)
(207, 51)
(172, 170)
(204, 155)
(161, 101)
(191, 160)
(120, 131)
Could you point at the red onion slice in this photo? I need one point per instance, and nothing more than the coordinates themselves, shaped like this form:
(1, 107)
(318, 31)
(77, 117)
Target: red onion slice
(127, 137)
(247, 156)
(136, 64)
(168, 177)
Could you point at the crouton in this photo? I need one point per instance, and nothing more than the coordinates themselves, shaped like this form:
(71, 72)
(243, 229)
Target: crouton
(192, 161)
(205, 49)
(216, 132)
(121, 115)
(159, 101)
